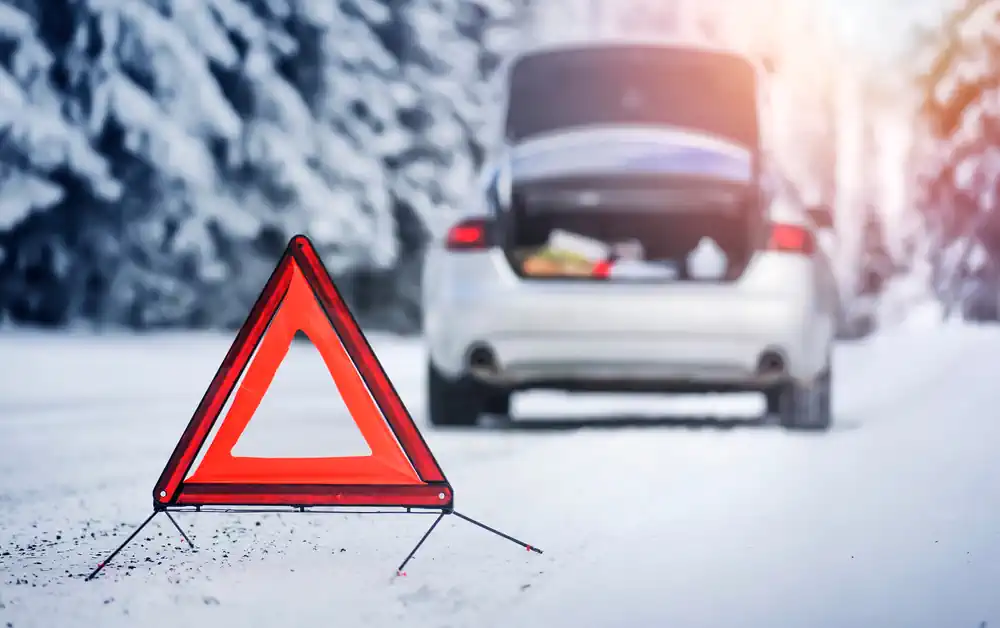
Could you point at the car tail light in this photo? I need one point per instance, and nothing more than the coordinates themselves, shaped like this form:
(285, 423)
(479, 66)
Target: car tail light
(471, 234)
(791, 239)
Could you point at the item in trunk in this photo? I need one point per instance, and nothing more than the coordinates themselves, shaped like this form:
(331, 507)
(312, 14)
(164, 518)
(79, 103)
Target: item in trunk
(637, 269)
(707, 261)
(588, 248)
(601, 270)
(550, 262)
(629, 250)
(723, 237)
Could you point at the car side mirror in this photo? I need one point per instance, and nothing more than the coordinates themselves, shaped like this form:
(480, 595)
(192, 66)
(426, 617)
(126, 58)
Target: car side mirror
(492, 197)
(821, 215)
(499, 189)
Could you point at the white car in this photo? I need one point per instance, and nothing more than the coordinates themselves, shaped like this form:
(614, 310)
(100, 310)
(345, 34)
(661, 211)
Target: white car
(632, 237)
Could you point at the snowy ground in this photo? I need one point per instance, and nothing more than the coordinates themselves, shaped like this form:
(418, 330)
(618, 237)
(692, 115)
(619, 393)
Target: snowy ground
(891, 520)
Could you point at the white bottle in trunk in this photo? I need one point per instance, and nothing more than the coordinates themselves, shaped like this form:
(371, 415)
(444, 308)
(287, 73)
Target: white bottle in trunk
(707, 261)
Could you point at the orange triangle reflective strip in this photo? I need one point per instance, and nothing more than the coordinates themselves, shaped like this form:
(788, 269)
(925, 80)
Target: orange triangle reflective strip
(387, 464)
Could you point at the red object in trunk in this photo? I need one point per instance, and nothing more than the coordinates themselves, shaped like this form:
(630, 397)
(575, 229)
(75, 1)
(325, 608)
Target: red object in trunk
(602, 269)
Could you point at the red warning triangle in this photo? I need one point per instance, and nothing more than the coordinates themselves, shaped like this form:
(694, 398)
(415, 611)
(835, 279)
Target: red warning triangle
(401, 470)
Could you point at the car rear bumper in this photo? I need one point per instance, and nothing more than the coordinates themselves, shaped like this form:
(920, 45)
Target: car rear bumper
(701, 339)
(586, 362)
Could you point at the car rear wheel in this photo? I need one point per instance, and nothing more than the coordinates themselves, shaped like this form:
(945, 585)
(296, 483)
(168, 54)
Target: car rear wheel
(982, 310)
(459, 402)
(496, 402)
(803, 407)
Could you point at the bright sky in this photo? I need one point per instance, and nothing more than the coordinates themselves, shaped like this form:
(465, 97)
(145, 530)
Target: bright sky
(881, 27)
(880, 31)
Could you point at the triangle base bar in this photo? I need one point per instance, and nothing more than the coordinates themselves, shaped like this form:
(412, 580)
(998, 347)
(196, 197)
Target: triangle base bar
(302, 508)
(436, 495)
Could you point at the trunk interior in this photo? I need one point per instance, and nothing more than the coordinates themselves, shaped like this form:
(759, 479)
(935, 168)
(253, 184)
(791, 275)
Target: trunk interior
(628, 229)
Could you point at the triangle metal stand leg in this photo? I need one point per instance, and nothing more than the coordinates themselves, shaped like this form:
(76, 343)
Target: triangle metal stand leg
(437, 520)
(402, 565)
(183, 535)
(101, 565)
(530, 548)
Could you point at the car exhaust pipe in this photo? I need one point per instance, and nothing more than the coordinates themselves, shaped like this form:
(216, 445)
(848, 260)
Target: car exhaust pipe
(482, 363)
(771, 365)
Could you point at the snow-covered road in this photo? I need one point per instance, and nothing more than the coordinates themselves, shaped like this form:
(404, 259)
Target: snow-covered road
(892, 520)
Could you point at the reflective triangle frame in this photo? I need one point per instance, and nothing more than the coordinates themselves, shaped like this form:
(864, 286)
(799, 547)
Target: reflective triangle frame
(300, 295)
(402, 472)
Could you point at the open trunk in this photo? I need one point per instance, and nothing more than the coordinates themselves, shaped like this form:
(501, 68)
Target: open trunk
(621, 229)
(700, 90)
(634, 163)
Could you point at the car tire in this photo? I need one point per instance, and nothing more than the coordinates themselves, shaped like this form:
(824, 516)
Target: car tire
(804, 407)
(496, 402)
(452, 402)
(982, 311)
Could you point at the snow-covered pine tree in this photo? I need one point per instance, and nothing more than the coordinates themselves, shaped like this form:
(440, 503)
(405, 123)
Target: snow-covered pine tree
(50, 179)
(960, 82)
(428, 171)
(350, 84)
(198, 135)
(138, 94)
(303, 69)
(450, 52)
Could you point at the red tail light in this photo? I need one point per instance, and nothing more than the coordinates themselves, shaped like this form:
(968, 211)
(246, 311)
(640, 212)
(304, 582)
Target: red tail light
(471, 234)
(791, 239)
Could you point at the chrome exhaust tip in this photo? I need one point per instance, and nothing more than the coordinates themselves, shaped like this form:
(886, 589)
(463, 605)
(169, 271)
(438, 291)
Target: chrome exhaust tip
(482, 362)
(771, 365)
